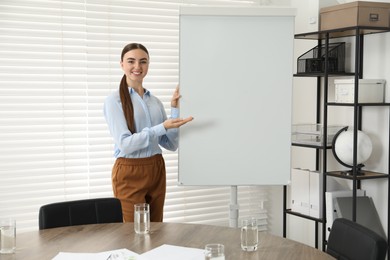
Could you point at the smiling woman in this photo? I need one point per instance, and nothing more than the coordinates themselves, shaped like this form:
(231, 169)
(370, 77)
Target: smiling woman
(139, 125)
(58, 62)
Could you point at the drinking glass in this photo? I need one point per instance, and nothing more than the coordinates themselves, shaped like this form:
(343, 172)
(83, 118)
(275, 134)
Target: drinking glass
(249, 234)
(7, 236)
(141, 218)
(214, 252)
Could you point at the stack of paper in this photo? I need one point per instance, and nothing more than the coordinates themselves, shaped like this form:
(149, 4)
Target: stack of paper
(164, 252)
(120, 254)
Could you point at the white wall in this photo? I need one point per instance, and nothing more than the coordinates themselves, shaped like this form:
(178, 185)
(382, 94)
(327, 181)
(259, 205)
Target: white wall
(375, 120)
(306, 21)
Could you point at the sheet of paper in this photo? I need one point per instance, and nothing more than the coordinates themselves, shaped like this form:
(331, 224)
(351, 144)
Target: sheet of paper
(164, 252)
(169, 252)
(120, 254)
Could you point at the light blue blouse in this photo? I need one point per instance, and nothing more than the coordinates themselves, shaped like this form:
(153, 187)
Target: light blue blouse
(149, 115)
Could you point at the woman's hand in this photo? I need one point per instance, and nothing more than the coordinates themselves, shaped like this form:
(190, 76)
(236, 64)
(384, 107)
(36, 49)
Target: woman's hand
(175, 98)
(176, 122)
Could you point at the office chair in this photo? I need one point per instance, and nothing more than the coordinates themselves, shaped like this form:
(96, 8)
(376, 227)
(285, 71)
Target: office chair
(80, 212)
(349, 240)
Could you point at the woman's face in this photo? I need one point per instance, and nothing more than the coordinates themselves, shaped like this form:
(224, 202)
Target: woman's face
(135, 65)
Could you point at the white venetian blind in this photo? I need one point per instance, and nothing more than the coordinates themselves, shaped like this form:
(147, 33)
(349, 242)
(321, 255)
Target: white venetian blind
(59, 59)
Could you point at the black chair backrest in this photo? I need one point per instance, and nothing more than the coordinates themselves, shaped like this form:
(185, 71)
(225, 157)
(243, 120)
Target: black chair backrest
(349, 240)
(80, 212)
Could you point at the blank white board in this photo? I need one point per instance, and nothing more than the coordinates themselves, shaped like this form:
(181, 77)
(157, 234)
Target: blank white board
(236, 67)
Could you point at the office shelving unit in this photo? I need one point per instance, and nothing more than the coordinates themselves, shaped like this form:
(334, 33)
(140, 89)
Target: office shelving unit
(322, 38)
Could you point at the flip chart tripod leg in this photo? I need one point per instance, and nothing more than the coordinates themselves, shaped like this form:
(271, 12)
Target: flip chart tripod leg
(233, 221)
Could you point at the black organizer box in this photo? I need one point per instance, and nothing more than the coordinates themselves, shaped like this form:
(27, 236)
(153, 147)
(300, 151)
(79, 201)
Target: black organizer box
(313, 61)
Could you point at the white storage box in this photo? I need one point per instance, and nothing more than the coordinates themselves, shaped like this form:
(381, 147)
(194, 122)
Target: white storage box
(370, 90)
(306, 191)
(300, 183)
(330, 197)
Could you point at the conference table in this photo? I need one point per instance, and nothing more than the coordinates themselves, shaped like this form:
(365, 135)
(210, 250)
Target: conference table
(45, 244)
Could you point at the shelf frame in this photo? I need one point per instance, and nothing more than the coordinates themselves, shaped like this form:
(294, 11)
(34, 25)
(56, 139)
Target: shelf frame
(324, 36)
(341, 32)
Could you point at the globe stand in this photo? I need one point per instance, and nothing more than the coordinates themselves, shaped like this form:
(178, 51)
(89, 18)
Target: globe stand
(359, 171)
(359, 167)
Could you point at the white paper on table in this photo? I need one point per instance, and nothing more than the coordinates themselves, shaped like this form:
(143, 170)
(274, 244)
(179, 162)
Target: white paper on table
(120, 254)
(169, 252)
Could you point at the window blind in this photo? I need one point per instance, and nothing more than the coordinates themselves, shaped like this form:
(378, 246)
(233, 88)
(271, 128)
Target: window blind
(58, 61)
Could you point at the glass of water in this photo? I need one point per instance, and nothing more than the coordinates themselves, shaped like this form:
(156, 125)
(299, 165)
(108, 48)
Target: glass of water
(7, 236)
(214, 252)
(249, 234)
(141, 218)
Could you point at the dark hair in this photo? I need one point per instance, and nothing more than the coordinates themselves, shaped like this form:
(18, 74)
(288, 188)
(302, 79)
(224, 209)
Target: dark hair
(127, 105)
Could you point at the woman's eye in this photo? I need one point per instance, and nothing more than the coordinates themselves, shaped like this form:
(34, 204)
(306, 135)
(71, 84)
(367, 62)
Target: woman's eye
(140, 62)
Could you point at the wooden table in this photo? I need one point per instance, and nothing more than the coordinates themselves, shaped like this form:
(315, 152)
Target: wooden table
(45, 244)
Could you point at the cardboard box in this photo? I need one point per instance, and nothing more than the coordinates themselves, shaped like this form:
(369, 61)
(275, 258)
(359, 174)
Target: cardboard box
(359, 13)
(370, 90)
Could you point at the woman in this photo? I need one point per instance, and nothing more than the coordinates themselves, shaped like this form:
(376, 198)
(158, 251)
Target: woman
(138, 123)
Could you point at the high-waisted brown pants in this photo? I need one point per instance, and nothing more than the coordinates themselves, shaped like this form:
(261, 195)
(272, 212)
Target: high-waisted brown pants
(140, 180)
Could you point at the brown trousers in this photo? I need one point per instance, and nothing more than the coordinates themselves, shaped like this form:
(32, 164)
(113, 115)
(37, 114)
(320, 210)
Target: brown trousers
(141, 180)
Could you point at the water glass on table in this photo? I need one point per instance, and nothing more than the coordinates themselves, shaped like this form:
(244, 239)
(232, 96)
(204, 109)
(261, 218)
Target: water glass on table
(214, 252)
(141, 218)
(7, 236)
(249, 234)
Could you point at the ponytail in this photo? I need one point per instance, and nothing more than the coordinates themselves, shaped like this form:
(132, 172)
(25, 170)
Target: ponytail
(127, 105)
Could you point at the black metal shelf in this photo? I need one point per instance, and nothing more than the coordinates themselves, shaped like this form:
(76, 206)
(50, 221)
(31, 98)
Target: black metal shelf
(322, 74)
(358, 104)
(290, 212)
(312, 146)
(363, 175)
(323, 39)
(342, 32)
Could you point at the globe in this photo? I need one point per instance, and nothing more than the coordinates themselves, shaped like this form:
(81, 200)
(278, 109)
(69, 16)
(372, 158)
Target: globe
(343, 147)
